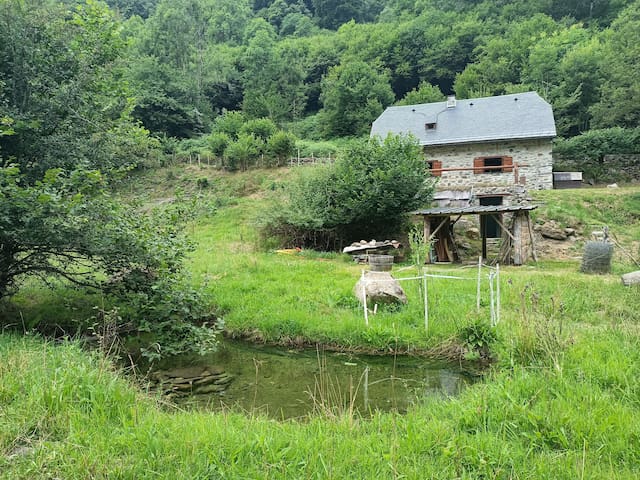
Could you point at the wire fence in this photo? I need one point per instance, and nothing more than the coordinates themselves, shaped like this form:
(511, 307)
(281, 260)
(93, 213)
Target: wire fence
(484, 272)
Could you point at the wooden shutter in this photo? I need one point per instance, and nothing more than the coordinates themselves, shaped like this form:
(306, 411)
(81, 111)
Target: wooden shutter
(436, 165)
(478, 165)
(507, 164)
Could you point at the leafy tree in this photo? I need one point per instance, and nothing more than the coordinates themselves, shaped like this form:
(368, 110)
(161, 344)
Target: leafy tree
(586, 152)
(565, 68)
(281, 145)
(365, 194)
(262, 128)
(242, 153)
(229, 123)
(333, 13)
(61, 82)
(425, 93)
(501, 59)
(218, 142)
(66, 225)
(619, 104)
(273, 77)
(353, 95)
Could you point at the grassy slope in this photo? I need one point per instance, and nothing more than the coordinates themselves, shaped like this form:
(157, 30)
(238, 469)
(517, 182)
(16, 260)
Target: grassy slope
(562, 404)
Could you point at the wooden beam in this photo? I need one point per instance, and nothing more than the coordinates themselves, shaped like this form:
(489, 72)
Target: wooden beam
(505, 229)
(444, 220)
(518, 254)
(427, 237)
(531, 237)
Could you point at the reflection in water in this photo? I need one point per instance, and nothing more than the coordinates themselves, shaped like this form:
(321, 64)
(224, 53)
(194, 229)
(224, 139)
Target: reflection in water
(293, 383)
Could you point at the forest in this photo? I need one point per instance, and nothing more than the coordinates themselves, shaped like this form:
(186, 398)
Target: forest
(318, 69)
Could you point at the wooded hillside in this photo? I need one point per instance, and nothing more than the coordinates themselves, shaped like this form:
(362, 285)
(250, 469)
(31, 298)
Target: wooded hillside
(325, 69)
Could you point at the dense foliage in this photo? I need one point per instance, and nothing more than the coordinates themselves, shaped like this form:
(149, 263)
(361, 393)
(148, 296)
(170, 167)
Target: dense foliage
(365, 194)
(586, 152)
(65, 134)
(289, 60)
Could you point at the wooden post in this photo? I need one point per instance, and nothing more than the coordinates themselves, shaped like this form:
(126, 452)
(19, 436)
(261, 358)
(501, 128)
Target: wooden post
(364, 299)
(426, 304)
(427, 235)
(478, 286)
(531, 238)
(497, 293)
(492, 299)
(518, 254)
(483, 234)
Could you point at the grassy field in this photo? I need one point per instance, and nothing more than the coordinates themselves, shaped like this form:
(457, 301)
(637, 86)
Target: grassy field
(562, 400)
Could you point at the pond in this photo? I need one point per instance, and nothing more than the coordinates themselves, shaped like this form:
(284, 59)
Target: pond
(285, 383)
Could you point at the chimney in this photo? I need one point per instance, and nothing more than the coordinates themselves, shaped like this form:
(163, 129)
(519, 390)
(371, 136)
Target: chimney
(451, 101)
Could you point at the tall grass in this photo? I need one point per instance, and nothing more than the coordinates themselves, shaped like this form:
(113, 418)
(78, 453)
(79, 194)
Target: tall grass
(67, 415)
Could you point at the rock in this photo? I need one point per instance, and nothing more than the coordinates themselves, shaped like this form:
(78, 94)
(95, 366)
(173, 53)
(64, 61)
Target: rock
(632, 278)
(381, 288)
(553, 231)
(473, 233)
(613, 185)
(213, 388)
(570, 231)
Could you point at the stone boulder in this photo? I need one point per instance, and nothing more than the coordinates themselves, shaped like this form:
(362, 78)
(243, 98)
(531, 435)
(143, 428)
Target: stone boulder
(632, 278)
(191, 380)
(381, 288)
(552, 230)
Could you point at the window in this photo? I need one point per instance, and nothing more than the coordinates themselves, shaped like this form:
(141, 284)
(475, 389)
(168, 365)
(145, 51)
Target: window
(493, 165)
(434, 167)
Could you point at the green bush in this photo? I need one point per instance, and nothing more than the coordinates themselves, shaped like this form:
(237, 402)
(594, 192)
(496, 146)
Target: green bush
(218, 142)
(586, 151)
(229, 123)
(280, 146)
(262, 128)
(365, 194)
(242, 153)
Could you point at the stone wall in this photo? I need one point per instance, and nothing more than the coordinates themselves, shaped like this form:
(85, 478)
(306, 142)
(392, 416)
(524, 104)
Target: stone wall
(623, 167)
(536, 175)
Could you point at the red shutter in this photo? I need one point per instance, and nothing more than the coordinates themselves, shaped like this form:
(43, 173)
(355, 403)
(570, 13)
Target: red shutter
(507, 164)
(436, 165)
(478, 165)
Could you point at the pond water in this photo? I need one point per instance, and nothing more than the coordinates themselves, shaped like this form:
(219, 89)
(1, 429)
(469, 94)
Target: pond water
(287, 383)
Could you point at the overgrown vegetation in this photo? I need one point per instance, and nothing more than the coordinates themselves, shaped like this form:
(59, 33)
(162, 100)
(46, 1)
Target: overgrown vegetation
(367, 192)
(560, 402)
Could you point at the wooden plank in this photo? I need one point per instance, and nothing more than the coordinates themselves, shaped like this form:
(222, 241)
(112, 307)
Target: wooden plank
(504, 229)
(531, 237)
(518, 254)
(427, 237)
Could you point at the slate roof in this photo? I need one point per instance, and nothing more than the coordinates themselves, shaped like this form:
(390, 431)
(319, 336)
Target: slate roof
(474, 210)
(507, 117)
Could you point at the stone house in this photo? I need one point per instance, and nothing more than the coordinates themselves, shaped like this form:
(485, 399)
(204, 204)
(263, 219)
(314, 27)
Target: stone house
(484, 151)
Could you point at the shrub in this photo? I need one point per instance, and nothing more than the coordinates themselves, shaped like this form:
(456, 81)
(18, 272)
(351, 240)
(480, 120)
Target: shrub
(242, 153)
(229, 123)
(262, 128)
(281, 145)
(586, 151)
(365, 194)
(218, 142)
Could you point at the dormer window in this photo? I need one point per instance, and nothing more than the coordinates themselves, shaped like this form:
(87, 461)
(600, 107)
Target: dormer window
(430, 126)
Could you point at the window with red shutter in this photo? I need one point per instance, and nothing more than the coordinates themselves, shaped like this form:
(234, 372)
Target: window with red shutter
(497, 164)
(434, 167)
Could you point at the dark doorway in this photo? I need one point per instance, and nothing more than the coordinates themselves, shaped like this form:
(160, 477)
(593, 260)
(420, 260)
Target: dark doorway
(489, 226)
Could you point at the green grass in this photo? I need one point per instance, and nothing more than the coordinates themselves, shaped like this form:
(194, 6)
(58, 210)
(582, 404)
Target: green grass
(66, 414)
